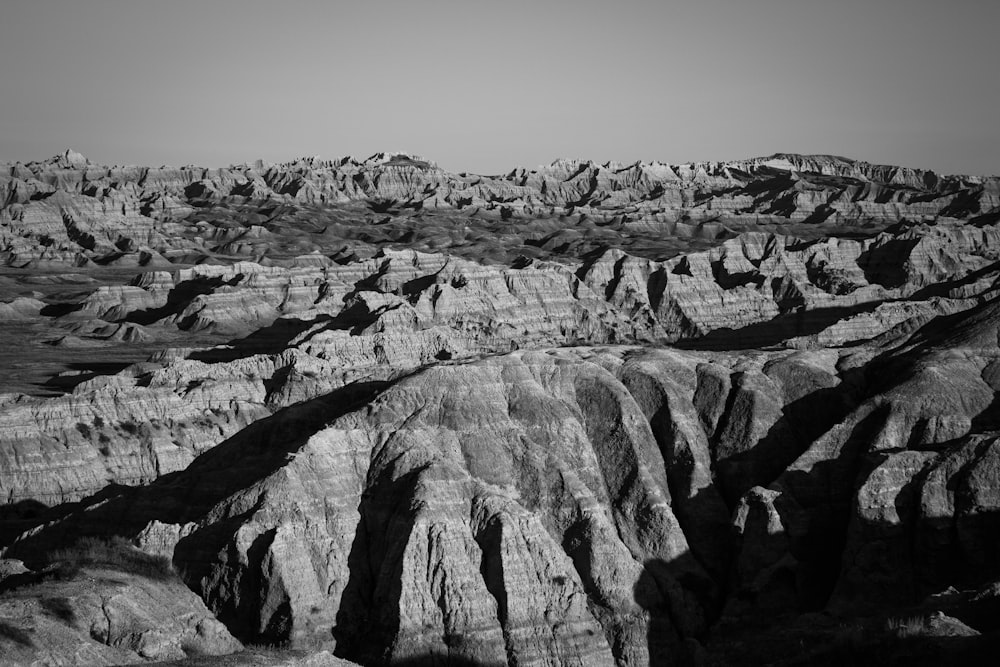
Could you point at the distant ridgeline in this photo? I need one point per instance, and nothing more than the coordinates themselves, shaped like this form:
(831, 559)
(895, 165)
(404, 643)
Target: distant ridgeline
(818, 188)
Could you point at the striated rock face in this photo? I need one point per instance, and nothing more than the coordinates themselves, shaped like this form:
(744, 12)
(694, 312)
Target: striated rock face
(579, 415)
(901, 490)
(527, 505)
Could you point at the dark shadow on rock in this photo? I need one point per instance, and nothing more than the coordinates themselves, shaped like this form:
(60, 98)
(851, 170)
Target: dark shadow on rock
(942, 288)
(703, 517)
(815, 641)
(665, 644)
(802, 421)
(435, 660)
(776, 331)
(760, 465)
(820, 215)
(23, 580)
(989, 418)
(375, 563)
(196, 556)
(825, 494)
(966, 203)
(271, 339)
(84, 371)
(879, 557)
(59, 608)
(412, 289)
(19, 517)
(60, 309)
(178, 299)
(41, 514)
(186, 496)
(885, 264)
(278, 336)
(660, 635)
(943, 331)
(943, 651)
(384, 206)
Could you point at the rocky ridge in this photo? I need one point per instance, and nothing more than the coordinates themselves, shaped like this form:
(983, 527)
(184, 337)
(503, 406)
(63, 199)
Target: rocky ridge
(67, 210)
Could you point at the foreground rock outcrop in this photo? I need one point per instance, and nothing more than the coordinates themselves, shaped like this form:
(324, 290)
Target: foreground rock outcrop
(457, 487)
(103, 613)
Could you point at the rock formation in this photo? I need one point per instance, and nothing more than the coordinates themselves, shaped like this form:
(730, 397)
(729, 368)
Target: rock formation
(103, 613)
(578, 415)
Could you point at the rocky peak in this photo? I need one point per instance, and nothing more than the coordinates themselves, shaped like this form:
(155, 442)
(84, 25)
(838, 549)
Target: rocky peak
(71, 158)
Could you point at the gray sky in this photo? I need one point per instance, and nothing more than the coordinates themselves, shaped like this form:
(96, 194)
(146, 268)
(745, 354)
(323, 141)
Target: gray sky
(485, 86)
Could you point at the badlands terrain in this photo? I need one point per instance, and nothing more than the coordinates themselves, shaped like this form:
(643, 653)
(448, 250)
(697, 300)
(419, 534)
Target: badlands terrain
(373, 412)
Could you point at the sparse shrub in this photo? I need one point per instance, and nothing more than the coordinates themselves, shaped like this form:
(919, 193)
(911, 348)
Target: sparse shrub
(270, 647)
(848, 645)
(910, 626)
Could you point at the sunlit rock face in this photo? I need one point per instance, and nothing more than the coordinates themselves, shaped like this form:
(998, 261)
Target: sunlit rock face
(576, 415)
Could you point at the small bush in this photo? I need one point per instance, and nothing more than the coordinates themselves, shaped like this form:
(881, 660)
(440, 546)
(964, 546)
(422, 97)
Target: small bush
(114, 553)
(910, 626)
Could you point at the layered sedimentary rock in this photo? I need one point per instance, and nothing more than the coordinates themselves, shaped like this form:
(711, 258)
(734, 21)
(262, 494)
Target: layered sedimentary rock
(67, 211)
(297, 332)
(887, 490)
(370, 321)
(578, 415)
(422, 522)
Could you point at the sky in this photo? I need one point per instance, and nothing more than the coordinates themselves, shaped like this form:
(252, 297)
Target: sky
(484, 86)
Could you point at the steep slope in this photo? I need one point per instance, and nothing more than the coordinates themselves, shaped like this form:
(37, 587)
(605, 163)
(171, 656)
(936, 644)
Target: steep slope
(417, 524)
(896, 501)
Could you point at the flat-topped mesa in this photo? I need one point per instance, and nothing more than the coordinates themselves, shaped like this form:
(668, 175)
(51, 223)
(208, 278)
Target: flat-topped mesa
(400, 159)
(834, 165)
